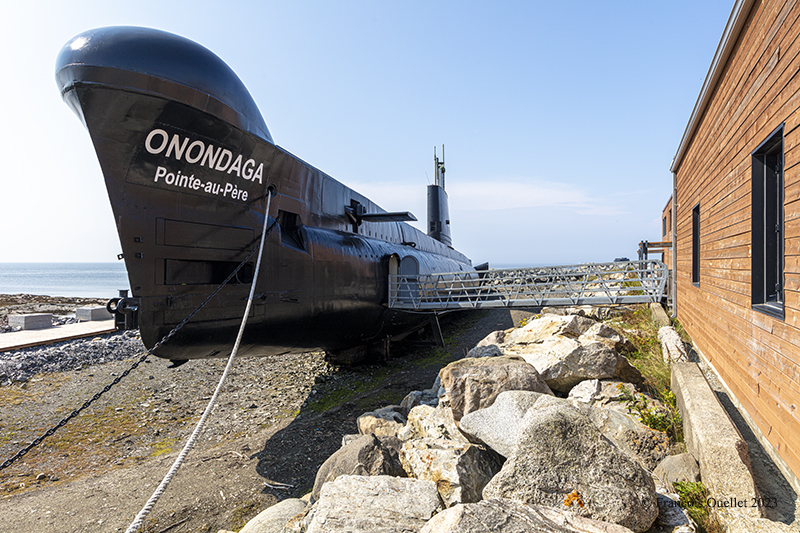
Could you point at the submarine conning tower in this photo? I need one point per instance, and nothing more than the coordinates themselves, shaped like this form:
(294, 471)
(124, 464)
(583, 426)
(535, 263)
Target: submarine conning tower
(156, 63)
(438, 211)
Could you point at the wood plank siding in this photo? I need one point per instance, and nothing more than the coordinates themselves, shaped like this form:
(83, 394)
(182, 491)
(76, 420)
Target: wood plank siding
(755, 92)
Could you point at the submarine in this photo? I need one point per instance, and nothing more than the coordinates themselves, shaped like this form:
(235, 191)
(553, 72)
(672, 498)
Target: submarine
(189, 164)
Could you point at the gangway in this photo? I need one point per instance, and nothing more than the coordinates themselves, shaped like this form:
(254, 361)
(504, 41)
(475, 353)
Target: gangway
(617, 283)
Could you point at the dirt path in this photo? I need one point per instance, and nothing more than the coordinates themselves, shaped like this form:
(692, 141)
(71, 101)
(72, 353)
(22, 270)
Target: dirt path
(277, 420)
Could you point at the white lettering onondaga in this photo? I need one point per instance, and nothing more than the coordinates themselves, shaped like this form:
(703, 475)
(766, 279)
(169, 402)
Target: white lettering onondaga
(158, 141)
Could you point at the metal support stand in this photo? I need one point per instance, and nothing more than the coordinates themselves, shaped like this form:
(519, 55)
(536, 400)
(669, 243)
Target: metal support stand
(436, 329)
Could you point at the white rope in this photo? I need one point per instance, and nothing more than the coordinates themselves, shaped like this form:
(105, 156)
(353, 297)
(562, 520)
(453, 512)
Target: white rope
(139, 520)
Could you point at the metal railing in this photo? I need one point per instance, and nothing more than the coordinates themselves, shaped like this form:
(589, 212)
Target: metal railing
(615, 283)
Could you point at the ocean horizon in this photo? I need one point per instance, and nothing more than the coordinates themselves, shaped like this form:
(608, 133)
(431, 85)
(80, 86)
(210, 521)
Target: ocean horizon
(90, 280)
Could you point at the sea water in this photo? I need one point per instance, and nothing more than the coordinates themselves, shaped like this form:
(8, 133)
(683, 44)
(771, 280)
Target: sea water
(96, 280)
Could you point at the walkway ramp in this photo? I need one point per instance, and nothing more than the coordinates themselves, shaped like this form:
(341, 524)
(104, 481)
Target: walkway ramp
(16, 340)
(617, 283)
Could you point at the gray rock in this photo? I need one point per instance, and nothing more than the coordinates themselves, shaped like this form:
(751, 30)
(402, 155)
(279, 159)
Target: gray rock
(672, 347)
(273, 519)
(415, 398)
(352, 437)
(672, 516)
(647, 446)
(560, 451)
(676, 468)
(585, 391)
(509, 516)
(380, 504)
(383, 422)
(491, 350)
(607, 335)
(367, 456)
(538, 330)
(299, 523)
(563, 362)
(498, 425)
(495, 337)
(473, 384)
(460, 470)
(437, 422)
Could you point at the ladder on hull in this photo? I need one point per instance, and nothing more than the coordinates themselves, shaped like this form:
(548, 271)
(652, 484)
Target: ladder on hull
(617, 283)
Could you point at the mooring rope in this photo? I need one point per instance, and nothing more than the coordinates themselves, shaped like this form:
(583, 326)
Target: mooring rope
(139, 520)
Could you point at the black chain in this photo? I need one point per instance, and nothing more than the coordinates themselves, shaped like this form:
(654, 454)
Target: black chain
(87, 403)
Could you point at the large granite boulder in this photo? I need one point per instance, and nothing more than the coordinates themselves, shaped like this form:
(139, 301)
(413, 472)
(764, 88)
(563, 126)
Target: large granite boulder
(274, 518)
(647, 446)
(495, 337)
(509, 516)
(569, 349)
(681, 467)
(547, 326)
(491, 350)
(672, 518)
(437, 422)
(460, 470)
(498, 425)
(366, 456)
(563, 362)
(603, 393)
(561, 458)
(383, 422)
(607, 335)
(473, 384)
(379, 504)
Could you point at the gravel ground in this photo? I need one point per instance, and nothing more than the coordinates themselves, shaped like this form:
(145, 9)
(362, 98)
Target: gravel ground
(276, 421)
(22, 365)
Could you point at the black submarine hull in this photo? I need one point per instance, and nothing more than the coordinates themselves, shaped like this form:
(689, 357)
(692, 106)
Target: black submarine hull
(188, 162)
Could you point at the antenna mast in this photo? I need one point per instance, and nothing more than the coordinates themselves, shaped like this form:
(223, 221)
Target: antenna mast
(438, 168)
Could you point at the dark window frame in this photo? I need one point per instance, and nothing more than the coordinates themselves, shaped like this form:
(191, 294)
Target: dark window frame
(696, 245)
(767, 224)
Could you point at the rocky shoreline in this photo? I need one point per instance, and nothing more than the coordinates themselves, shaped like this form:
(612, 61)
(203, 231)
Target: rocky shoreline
(532, 431)
(458, 437)
(62, 308)
(529, 432)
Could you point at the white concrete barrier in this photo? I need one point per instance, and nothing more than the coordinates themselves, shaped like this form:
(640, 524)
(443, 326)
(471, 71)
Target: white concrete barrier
(31, 321)
(92, 313)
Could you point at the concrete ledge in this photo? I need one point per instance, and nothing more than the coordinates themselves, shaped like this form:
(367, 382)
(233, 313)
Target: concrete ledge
(92, 313)
(712, 438)
(660, 318)
(31, 321)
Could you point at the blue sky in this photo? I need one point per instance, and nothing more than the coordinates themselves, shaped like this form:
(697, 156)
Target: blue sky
(560, 119)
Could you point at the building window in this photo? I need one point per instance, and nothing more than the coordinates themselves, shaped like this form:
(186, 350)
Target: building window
(767, 226)
(664, 226)
(696, 245)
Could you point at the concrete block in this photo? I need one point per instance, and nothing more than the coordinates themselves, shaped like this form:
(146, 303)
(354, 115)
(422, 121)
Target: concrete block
(716, 444)
(93, 313)
(660, 318)
(31, 321)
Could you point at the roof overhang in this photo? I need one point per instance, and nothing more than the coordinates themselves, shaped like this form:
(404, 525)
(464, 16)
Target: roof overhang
(733, 28)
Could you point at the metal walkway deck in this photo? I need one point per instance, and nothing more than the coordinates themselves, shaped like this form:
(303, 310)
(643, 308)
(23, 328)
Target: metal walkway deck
(588, 284)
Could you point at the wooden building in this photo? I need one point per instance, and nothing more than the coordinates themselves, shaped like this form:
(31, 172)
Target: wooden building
(736, 200)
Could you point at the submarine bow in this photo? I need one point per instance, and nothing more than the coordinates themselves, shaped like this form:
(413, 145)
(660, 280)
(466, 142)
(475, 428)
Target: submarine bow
(158, 63)
(188, 162)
